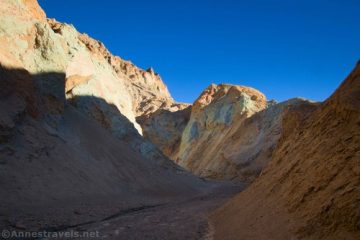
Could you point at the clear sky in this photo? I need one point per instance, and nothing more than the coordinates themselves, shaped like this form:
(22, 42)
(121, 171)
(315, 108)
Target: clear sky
(284, 48)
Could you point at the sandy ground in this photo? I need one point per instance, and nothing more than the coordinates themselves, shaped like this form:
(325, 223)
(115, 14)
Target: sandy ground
(182, 219)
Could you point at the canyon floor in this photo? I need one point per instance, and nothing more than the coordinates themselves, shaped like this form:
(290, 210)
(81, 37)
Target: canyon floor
(186, 218)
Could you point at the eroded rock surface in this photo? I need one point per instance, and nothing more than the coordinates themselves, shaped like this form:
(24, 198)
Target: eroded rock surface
(310, 189)
(87, 70)
(213, 115)
(230, 133)
(165, 127)
(146, 88)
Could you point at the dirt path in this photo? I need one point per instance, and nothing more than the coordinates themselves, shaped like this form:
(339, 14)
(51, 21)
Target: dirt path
(185, 219)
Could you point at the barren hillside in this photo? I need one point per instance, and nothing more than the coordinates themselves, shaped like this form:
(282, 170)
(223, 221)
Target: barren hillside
(311, 188)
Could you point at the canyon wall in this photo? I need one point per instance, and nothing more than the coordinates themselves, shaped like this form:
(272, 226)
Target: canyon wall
(91, 72)
(311, 188)
(68, 135)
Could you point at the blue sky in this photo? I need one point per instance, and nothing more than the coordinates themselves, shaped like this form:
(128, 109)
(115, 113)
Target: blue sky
(284, 48)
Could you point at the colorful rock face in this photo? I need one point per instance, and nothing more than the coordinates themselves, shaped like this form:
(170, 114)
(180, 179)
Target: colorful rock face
(229, 133)
(42, 45)
(218, 110)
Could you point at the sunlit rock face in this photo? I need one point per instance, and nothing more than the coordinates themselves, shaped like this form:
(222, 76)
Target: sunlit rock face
(145, 87)
(215, 115)
(86, 69)
(230, 132)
